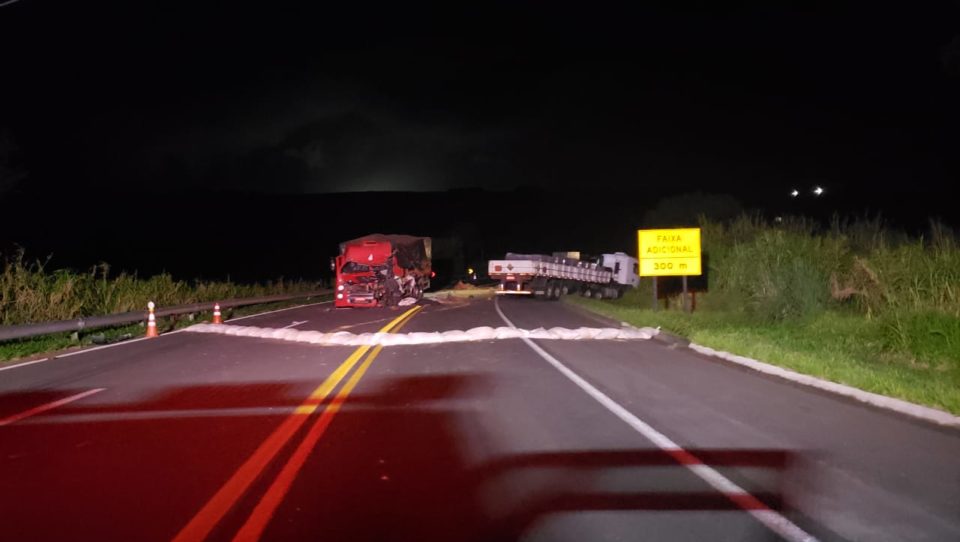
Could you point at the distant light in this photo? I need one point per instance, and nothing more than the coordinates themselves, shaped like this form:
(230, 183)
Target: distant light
(817, 191)
(794, 193)
(778, 219)
(469, 270)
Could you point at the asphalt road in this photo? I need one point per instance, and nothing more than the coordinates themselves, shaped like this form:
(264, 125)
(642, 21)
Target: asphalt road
(212, 437)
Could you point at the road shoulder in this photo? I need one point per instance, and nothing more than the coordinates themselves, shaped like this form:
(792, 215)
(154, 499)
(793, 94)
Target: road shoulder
(915, 411)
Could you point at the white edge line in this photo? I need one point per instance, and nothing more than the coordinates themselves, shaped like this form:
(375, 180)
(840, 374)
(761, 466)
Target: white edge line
(138, 339)
(294, 324)
(24, 364)
(278, 310)
(771, 519)
(882, 401)
(48, 406)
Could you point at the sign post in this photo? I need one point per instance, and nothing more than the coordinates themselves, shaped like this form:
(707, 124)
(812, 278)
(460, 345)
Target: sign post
(656, 306)
(685, 294)
(672, 252)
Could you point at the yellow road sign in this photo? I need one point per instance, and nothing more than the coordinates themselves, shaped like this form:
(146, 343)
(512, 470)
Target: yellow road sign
(669, 252)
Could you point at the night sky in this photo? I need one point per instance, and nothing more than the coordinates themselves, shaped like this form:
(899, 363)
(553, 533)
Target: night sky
(307, 98)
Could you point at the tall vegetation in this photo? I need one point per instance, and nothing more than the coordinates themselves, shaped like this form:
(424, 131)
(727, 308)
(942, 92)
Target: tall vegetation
(795, 268)
(907, 287)
(30, 292)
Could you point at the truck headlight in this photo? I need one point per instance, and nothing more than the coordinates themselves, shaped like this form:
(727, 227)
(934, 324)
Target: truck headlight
(339, 296)
(340, 287)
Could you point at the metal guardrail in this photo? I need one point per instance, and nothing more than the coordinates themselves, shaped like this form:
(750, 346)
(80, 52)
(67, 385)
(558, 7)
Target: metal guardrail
(79, 324)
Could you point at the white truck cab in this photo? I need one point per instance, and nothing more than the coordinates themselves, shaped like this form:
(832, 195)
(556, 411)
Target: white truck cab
(626, 269)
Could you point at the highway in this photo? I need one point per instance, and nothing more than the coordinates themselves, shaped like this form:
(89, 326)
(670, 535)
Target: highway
(192, 436)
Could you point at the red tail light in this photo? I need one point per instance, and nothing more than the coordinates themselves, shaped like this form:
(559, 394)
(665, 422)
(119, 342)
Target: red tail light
(433, 274)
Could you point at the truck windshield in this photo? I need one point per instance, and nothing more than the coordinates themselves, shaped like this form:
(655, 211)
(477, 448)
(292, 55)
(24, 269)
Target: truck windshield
(354, 267)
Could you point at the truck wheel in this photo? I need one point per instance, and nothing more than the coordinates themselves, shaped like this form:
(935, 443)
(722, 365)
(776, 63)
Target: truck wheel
(598, 294)
(549, 288)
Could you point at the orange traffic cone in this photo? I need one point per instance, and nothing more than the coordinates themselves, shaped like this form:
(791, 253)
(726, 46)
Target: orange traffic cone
(151, 321)
(216, 314)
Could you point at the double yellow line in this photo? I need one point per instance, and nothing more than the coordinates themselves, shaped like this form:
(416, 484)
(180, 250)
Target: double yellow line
(217, 507)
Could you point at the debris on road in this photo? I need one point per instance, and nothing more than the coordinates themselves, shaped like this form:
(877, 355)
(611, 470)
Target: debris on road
(460, 285)
(461, 293)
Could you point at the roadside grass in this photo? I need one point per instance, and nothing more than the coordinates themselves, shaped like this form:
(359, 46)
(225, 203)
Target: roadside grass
(840, 346)
(29, 293)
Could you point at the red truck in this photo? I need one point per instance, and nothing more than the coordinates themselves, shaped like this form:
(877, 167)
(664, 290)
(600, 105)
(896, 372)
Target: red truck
(380, 270)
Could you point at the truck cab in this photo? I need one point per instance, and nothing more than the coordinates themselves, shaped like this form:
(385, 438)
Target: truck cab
(626, 269)
(378, 270)
(361, 271)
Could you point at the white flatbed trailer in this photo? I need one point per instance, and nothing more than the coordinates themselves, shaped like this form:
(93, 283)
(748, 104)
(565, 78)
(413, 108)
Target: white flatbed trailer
(549, 277)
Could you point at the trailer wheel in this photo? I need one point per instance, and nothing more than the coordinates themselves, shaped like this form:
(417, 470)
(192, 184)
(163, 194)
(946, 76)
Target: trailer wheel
(598, 294)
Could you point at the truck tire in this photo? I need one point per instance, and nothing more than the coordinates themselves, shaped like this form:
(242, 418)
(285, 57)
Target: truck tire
(554, 291)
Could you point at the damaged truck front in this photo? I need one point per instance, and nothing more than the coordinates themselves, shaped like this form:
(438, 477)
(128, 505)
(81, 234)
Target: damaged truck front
(380, 270)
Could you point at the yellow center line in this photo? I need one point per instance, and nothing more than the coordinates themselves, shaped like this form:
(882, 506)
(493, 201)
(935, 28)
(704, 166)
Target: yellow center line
(217, 507)
(254, 526)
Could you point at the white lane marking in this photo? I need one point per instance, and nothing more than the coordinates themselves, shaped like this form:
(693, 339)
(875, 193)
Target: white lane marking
(278, 310)
(130, 341)
(95, 348)
(770, 518)
(121, 343)
(49, 406)
(87, 350)
(358, 324)
(295, 324)
(24, 364)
